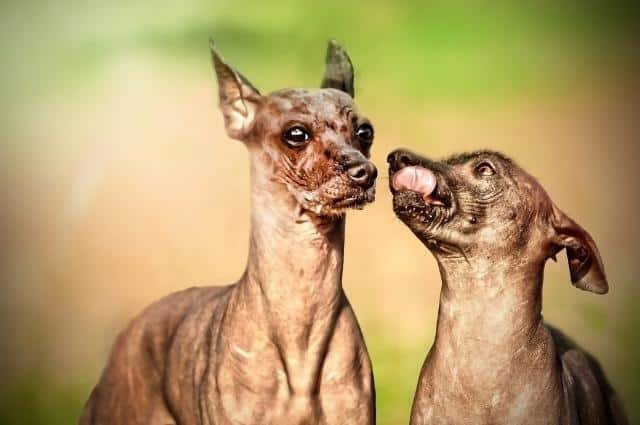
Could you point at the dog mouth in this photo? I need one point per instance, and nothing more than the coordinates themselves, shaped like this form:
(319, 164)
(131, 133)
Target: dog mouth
(421, 196)
(356, 200)
(336, 203)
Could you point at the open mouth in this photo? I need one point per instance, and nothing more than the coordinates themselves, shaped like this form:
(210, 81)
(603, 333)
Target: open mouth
(421, 194)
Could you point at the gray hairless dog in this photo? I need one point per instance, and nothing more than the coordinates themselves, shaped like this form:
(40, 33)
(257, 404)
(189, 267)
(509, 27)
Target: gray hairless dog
(282, 345)
(491, 228)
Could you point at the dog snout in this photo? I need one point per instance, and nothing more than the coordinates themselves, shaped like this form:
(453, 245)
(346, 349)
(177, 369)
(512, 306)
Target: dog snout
(400, 158)
(362, 172)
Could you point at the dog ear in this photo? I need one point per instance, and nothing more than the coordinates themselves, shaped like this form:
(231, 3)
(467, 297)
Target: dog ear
(585, 264)
(338, 73)
(239, 100)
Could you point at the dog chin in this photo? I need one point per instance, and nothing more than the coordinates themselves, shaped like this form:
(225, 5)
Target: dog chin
(424, 220)
(337, 207)
(354, 200)
(435, 235)
(412, 209)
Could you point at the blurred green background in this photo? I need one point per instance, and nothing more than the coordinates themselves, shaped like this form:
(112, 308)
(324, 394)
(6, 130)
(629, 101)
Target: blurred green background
(119, 185)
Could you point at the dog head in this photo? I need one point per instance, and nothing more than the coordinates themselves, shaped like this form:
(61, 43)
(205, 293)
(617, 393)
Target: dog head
(482, 204)
(313, 142)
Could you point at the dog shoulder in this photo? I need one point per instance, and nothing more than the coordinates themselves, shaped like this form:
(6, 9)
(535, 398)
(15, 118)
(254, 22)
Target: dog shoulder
(151, 330)
(591, 396)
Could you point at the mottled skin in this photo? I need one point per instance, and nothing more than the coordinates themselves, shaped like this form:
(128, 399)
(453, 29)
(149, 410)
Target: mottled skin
(281, 345)
(494, 361)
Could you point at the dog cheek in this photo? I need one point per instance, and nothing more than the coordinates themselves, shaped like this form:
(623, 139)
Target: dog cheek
(297, 168)
(323, 173)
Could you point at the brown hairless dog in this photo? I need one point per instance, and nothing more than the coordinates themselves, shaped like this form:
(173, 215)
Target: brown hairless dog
(282, 345)
(491, 228)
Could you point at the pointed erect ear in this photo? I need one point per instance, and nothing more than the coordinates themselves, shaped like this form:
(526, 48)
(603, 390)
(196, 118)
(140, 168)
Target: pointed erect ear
(239, 100)
(585, 264)
(339, 71)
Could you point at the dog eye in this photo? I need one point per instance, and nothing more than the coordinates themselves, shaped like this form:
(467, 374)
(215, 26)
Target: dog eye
(485, 169)
(364, 133)
(296, 136)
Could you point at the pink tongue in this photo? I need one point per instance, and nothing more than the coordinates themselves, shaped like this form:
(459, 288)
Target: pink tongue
(416, 179)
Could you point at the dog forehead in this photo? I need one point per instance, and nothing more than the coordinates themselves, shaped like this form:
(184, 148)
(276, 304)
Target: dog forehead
(464, 158)
(317, 102)
(521, 181)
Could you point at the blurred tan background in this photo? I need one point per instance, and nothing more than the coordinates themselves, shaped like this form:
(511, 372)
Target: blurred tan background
(118, 184)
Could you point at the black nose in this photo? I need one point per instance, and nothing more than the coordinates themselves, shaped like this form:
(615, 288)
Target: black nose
(399, 159)
(362, 172)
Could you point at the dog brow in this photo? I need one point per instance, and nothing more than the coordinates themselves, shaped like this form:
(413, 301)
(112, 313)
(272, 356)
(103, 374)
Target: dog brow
(346, 110)
(464, 157)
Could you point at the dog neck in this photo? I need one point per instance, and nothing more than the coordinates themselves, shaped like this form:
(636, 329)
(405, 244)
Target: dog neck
(291, 292)
(492, 354)
(295, 258)
(489, 312)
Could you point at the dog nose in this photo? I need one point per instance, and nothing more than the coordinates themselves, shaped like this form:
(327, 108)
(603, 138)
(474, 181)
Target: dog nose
(399, 159)
(362, 172)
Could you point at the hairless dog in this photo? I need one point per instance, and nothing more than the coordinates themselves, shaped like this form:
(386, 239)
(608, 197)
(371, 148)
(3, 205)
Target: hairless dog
(491, 228)
(282, 345)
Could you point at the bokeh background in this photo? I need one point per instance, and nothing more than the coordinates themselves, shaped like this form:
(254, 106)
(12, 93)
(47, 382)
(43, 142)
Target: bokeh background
(118, 184)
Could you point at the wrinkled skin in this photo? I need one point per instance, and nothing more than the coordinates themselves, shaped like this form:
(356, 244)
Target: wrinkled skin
(491, 228)
(281, 345)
